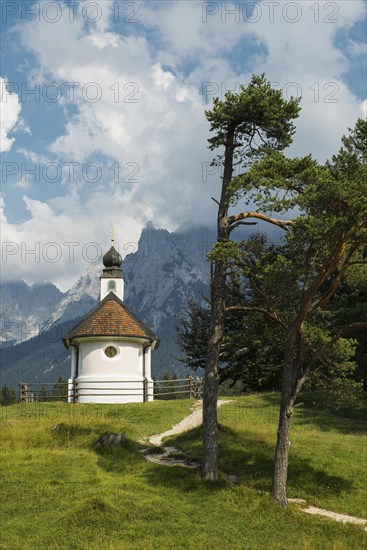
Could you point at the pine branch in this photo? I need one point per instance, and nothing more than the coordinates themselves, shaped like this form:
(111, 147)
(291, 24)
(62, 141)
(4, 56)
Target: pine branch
(272, 315)
(325, 347)
(258, 215)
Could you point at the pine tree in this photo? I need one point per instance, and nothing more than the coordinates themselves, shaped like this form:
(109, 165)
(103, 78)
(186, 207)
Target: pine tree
(246, 125)
(8, 395)
(298, 286)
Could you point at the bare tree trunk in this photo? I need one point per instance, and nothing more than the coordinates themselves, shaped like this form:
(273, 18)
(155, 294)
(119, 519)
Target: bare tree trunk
(210, 422)
(216, 329)
(280, 471)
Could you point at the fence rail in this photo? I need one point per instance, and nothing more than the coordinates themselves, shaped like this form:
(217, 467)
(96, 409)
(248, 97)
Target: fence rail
(31, 392)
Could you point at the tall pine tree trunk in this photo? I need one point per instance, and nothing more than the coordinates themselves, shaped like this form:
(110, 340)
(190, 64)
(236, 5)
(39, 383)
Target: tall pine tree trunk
(280, 471)
(280, 474)
(210, 423)
(216, 329)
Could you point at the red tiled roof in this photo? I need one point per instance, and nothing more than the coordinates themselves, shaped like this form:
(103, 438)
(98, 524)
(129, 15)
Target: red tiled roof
(111, 317)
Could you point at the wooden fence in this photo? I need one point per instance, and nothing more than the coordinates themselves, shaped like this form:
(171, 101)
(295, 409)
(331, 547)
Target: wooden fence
(70, 391)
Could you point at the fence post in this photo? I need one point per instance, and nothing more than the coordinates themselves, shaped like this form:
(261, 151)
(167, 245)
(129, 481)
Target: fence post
(75, 391)
(190, 387)
(145, 390)
(22, 392)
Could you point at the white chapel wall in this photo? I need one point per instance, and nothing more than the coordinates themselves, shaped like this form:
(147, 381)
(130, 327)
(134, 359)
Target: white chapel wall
(128, 363)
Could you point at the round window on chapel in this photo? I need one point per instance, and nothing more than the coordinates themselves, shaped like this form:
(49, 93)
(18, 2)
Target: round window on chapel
(110, 351)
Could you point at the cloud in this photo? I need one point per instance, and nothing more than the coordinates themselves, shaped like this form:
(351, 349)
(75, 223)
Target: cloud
(149, 79)
(357, 48)
(188, 30)
(10, 110)
(304, 60)
(148, 120)
(63, 237)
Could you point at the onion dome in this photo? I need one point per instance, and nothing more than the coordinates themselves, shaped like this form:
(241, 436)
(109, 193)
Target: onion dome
(112, 263)
(112, 258)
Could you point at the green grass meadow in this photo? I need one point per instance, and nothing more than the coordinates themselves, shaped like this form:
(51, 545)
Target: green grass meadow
(61, 491)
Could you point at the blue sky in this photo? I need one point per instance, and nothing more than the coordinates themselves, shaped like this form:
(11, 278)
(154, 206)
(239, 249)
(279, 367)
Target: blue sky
(114, 130)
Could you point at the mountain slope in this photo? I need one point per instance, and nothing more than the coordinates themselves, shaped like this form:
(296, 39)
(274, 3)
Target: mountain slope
(81, 298)
(24, 309)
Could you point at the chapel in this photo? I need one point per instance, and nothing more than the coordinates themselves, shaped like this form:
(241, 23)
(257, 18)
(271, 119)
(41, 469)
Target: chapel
(111, 347)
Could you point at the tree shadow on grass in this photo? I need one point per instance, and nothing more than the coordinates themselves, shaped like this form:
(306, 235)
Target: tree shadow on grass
(313, 410)
(241, 454)
(127, 458)
(251, 459)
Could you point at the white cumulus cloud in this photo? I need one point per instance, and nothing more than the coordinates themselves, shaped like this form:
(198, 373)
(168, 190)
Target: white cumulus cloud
(10, 111)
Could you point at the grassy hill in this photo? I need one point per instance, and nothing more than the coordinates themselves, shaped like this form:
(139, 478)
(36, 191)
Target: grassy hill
(60, 491)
